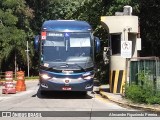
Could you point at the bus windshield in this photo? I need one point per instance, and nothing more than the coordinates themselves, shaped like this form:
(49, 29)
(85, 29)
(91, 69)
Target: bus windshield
(67, 47)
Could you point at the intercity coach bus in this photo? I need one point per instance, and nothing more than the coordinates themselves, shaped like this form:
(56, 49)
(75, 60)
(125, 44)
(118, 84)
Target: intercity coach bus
(67, 49)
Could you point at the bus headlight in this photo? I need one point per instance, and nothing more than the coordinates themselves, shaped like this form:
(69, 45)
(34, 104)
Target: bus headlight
(45, 76)
(87, 76)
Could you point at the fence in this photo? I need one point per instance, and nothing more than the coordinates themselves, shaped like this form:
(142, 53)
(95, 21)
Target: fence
(142, 68)
(8, 75)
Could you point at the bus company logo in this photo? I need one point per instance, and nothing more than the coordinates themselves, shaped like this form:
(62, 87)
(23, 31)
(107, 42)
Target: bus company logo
(67, 71)
(21, 114)
(67, 80)
(6, 114)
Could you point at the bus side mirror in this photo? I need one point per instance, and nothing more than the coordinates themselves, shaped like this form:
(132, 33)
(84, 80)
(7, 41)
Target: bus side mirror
(36, 42)
(97, 44)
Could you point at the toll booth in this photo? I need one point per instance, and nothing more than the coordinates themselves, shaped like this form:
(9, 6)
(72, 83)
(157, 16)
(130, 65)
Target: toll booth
(124, 43)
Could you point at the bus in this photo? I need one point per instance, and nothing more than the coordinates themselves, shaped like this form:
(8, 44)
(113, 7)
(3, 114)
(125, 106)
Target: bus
(66, 50)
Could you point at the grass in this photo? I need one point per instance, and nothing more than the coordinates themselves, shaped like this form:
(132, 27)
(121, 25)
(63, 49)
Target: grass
(32, 78)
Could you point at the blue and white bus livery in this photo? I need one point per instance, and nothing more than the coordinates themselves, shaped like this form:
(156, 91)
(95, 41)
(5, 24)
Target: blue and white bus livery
(67, 49)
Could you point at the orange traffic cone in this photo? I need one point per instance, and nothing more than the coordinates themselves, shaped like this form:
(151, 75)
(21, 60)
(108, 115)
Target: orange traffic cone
(20, 85)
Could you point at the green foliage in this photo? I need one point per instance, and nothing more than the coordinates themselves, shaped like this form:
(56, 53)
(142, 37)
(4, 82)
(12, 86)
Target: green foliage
(135, 93)
(153, 100)
(149, 22)
(144, 92)
(27, 16)
(140, 94)
(32, 78)
(21, 19)
(15, 30)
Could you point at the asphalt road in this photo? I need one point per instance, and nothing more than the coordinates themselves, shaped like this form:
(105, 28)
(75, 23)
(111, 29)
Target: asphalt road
(57, 104)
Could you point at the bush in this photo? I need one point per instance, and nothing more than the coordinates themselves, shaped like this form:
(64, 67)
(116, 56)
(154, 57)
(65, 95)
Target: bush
(142, 94)
(135, 93)
(144, 91)
(153, 100)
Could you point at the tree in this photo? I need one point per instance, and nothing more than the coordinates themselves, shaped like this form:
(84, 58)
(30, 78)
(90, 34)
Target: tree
(87, 10)
(15, 30)
(149, 22)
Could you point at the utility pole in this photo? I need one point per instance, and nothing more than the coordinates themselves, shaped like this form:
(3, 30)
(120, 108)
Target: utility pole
(27, 58)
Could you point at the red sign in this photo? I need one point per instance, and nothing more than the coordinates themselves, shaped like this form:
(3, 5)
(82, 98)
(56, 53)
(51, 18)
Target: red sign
(43, 35)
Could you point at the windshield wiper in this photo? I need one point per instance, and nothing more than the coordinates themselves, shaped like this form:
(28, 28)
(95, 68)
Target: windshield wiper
(58, 60)
(47, 68)
(67, 65)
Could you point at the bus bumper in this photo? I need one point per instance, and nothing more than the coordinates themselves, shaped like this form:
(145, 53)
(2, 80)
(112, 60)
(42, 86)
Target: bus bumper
(64, 85)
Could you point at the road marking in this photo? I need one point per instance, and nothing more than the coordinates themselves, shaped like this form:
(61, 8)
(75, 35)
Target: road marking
(101, 98)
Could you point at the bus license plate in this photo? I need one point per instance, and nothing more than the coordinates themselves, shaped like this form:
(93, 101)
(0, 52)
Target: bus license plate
(66, 88)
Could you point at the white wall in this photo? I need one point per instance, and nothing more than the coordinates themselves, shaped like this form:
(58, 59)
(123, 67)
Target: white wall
(127, 26)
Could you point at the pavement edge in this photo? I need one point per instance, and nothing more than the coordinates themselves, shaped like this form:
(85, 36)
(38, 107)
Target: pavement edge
(106, 95)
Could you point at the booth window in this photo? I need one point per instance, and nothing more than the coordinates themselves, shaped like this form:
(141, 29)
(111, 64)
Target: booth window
(115, 43)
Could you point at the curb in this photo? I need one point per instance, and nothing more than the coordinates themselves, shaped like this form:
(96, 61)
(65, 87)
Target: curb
(137, 106)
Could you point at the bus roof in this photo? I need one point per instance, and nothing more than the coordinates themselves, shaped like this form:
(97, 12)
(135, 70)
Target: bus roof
(66, 25)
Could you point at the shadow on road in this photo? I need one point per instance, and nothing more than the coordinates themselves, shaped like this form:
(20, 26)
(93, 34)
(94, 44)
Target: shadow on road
(62, 95)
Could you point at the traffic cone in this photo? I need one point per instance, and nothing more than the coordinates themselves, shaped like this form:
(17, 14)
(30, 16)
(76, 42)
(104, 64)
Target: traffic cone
(20, 85)
(8, 86)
